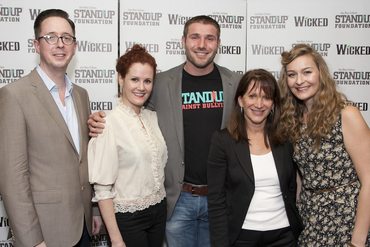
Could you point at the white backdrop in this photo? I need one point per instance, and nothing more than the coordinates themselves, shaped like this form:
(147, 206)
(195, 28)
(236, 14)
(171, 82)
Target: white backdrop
(338, 30)
(253, 34)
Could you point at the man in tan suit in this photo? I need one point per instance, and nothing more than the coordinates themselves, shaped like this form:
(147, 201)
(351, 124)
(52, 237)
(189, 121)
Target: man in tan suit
(43, 144)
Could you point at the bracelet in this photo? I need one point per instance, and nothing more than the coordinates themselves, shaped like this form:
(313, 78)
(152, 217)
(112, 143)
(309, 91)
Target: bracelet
(349, 244)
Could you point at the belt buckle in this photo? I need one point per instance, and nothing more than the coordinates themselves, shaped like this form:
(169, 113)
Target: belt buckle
(193, 191)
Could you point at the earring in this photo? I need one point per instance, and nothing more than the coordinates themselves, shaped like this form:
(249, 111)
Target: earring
(241, 110)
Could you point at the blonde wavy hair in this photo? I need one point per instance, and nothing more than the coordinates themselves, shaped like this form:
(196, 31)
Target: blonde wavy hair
(327, 103)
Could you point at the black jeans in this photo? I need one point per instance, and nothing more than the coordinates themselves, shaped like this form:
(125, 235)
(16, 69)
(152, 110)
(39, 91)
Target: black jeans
(144, 228)
(274, 238)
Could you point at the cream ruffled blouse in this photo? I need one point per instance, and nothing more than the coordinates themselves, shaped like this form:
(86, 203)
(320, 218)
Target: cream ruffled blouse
(126, 161)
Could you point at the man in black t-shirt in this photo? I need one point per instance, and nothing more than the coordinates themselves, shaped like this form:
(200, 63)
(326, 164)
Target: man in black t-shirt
(192, 100)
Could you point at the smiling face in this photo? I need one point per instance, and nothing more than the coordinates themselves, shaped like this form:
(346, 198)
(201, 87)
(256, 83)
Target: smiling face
(256, 105)
(201, 44)
(137, 85)
(303, 79)
(55, 58)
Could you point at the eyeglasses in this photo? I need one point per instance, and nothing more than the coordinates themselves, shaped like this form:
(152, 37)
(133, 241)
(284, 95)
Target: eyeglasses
(52, 39)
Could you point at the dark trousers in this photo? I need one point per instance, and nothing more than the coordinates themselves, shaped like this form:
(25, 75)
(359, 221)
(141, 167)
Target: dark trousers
(144, 228)
(275, 238)
(85, 240)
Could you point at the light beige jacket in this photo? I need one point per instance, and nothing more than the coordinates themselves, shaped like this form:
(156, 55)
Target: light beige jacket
(43, 180)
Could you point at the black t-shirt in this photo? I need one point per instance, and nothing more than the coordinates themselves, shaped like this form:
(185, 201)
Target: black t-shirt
(202, 106)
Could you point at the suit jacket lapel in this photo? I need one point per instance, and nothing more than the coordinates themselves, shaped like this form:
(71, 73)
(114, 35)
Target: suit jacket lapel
(227, 87)
(279, 159)
(78, 104)
(48, 103)
(243, 154)
(174, 87)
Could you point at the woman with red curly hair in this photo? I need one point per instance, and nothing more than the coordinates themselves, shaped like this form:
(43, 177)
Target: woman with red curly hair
(126, 161)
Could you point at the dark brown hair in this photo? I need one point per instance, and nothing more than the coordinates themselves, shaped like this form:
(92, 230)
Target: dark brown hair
(267, 82)
(51, 13)
(204, 19)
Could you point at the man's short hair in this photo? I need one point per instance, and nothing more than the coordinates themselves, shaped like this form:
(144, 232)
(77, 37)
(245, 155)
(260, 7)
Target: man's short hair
(51, 13)
(204, 19)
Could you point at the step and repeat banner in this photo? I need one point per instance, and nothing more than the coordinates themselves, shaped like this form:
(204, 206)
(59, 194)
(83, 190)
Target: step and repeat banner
(104, 31)
(159, 26)
(338, 30)
(253, 35)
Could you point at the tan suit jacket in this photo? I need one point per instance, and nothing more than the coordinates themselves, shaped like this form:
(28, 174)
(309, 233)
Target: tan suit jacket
(43, 180)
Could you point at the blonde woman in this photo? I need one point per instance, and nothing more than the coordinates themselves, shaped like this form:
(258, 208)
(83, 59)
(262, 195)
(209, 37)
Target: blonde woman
(331, 141)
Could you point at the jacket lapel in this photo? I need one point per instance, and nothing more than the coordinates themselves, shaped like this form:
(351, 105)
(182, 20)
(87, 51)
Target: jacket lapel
(280, 160)
(47, 101)
(227, 87)
(174, 87)
(243, 154)
(78, 108)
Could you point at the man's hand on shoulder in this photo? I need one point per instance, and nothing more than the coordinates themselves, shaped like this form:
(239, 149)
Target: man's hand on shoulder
(96, 123)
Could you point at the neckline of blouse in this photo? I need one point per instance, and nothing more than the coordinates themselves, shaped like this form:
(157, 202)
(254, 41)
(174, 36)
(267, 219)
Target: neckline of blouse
(129, 110)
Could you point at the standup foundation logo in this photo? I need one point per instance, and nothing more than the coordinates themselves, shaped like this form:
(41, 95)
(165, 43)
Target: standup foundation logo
(224, 20)
(229, 21)
(92, 75)
(8, 75)
(268, 21)
(93, 16)
(141, 18)
(322, 48)
(10, 14)
(351, 77)
(352, 20)
(174, 47)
